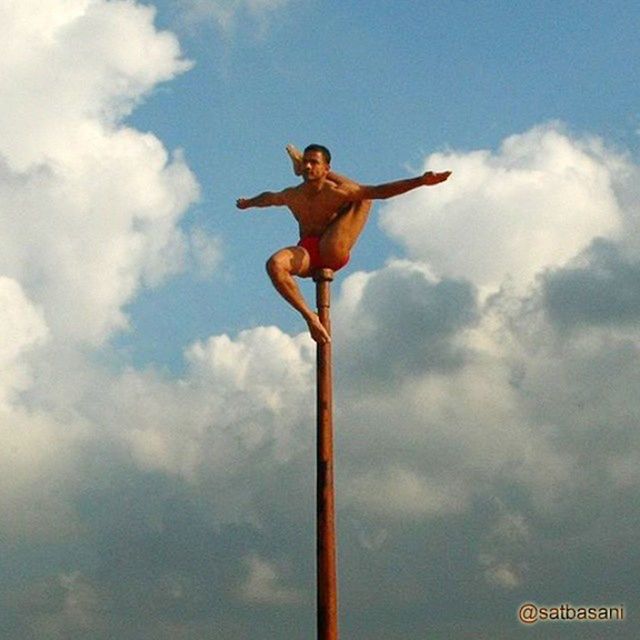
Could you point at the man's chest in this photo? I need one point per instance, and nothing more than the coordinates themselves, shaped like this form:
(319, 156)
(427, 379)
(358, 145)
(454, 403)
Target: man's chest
(316, 207)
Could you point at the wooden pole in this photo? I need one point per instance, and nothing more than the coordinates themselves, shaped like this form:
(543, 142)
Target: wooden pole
(327, 589)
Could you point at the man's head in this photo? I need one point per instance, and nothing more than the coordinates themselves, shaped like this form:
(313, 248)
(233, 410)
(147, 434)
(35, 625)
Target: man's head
(323, 150)
(316, 162)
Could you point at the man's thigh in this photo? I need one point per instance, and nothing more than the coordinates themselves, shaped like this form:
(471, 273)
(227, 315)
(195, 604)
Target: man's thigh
(294, 259)
(343, 232)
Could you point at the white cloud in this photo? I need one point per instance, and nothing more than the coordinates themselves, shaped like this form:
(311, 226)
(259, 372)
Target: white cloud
(535, 203)
(206, 252)
(403, 494)
(421, 437)
(502, 574)
(38, 475)
(506, 551)
(73, 64)
(88, 207)
(23, 329)
(444, 404)
(235, 434)
(263, 585)
(241, 398)
(89, 212)
(401, 319)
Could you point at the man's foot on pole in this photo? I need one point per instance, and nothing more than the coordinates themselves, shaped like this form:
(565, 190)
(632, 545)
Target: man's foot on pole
(296, 159)
(317, 330)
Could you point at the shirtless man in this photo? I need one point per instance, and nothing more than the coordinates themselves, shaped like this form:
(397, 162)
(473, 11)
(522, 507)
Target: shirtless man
(331, 211)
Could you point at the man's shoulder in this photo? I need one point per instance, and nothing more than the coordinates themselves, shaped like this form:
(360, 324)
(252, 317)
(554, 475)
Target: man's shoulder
(342, 190)
(292, 192)
(285, 196)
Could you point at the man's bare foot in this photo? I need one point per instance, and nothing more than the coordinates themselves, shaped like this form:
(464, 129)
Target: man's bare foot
(296, 159)
(317, 330)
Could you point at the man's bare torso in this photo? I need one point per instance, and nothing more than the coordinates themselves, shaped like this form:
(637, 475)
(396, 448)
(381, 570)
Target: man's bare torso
(315, 210)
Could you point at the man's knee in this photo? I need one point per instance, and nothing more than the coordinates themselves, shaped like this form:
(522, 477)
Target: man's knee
(279, 265)
(274, 266)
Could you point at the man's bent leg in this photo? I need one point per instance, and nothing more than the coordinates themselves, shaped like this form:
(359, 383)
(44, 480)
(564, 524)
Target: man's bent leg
(343, 233)
(281, 267)
(296, 159)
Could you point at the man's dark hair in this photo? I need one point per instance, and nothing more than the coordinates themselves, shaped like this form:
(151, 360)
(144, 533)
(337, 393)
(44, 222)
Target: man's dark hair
(323, 150)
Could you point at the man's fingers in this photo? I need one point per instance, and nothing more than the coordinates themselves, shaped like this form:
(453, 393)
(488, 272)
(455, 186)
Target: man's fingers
(435, 178)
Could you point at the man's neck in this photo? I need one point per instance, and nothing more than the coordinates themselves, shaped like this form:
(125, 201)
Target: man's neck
(314, 186)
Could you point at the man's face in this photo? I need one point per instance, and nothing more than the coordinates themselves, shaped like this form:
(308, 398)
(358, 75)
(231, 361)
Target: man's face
(314, 166)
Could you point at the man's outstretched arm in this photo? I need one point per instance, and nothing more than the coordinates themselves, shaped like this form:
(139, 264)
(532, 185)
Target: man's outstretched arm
(265, 199)
(396, 188)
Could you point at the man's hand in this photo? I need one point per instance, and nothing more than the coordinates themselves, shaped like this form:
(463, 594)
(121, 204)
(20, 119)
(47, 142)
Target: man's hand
(430, 178)
(266, 199)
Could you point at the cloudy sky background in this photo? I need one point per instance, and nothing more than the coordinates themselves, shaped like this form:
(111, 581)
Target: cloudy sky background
(156, 397)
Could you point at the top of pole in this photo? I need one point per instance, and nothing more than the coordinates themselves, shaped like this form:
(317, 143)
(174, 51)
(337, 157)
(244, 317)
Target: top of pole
(323, 275)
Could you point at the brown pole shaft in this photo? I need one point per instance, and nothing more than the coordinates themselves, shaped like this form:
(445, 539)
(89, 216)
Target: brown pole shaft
(327, 589)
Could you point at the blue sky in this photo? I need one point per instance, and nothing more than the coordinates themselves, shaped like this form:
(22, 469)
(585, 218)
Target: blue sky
(382, 85)
(156, 395)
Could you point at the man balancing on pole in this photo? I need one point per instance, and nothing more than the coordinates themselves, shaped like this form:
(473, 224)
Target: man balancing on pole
(331, 211)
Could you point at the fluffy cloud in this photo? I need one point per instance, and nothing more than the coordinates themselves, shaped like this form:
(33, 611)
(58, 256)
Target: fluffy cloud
(600, 287)
(263, 585)
(88, 213)
(534, 203)
(402, 320)
(440, 433)
(88, 207)
(23, 328)
(206, 252)
(485, 443)
(240, 397)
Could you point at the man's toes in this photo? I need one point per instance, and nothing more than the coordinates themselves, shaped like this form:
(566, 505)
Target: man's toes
(319, 333)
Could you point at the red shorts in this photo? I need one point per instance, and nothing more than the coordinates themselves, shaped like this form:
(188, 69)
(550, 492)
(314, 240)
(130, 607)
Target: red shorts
(312, 245)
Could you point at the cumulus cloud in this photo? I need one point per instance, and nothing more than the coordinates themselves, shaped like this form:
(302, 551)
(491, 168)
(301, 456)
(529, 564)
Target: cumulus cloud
(37, 461)
(403, 319)
(82, 62)
(89, 212)
(23, 328)
(243, 401)
(88, 207)
(534, 203)
(427, 443)
(470, 428)
(601, 286)
(206, 252)
(263, 585)
(400, 493)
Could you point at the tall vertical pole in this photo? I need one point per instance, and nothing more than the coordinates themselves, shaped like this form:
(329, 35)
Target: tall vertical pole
(327, 589)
